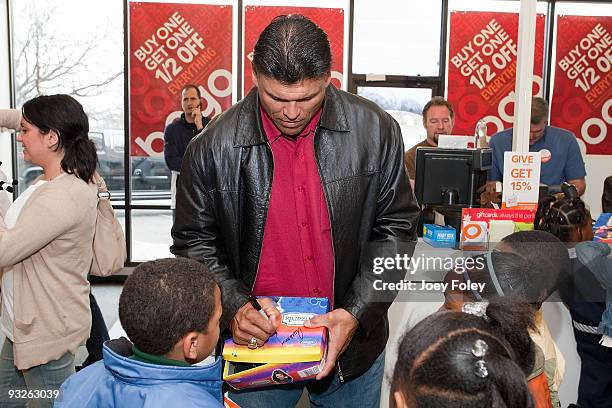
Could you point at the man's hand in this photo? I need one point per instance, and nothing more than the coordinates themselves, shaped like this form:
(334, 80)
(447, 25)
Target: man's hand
(197, 117)
(249, 323)
(341, 326)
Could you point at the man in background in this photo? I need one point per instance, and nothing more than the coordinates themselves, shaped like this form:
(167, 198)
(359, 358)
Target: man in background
(561, 157)
(179, 133)
(438, 119)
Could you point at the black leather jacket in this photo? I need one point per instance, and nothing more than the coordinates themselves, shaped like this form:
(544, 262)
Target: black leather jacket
(222, 203)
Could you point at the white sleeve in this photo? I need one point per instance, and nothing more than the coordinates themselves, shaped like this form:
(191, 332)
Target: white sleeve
(5, 200)
(10, 118)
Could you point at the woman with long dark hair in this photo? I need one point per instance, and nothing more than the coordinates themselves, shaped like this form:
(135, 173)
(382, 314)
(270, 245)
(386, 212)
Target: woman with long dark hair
(46, 252)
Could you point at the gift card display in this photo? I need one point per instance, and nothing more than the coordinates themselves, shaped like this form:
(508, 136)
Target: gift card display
(474, 236)
(479, 226)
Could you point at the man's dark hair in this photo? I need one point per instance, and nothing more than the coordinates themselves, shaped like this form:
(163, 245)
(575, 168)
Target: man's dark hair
(438, 101)
(539, 110)
(163, 300)
(192, 86)
(292, 48)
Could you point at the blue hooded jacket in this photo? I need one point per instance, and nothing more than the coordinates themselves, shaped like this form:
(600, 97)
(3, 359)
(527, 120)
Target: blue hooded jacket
(595, 256)
(118, 381)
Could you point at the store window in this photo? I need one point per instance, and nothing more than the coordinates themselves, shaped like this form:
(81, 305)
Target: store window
(58, 49)
(76, 48)
(406, 107)
(397, 59)
(378, 34)
(150, 234)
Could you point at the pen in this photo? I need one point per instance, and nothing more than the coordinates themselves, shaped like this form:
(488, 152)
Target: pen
(257, 306)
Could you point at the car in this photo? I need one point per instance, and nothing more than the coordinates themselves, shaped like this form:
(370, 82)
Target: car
(150, 175)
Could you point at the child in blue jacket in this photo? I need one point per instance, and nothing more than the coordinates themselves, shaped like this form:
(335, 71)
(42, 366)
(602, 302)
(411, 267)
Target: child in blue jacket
(170, 309)
(568, 218)
(596, 257)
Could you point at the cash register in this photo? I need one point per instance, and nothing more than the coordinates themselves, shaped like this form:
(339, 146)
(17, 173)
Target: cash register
(447, 180)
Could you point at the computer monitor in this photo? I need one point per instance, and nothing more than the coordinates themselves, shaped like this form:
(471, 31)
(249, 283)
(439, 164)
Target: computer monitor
(450, 176)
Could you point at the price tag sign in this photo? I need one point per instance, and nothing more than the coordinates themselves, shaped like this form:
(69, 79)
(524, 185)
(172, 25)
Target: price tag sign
(521, 180)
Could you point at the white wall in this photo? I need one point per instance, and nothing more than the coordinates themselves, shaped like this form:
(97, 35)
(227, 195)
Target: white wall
(597, 168)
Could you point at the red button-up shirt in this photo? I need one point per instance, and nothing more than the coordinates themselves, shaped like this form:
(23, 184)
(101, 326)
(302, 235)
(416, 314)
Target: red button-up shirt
(297, 255)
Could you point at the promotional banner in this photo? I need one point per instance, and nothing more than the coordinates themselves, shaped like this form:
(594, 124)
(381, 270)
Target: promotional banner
(172, 45)
(582, 93)
(331, 20)
(482, 54)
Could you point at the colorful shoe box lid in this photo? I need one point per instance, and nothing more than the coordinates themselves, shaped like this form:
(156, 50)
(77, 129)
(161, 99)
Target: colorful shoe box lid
(292, 342)
(602, 230)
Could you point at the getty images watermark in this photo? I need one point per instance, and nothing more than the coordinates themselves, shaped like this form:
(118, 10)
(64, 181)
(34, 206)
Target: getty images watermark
(410, 265)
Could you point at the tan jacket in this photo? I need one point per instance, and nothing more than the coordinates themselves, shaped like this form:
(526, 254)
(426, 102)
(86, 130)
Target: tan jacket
(50, 249)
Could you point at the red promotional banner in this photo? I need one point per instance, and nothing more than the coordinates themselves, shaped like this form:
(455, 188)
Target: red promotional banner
(172, 45)
(482, 68)
(582, 95)
(331, 20)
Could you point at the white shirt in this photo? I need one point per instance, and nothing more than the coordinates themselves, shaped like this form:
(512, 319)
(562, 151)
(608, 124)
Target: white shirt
(8, 314)
(5, 201)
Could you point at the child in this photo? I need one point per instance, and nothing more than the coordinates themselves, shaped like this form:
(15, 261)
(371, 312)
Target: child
(453, 359)
(170, 309)
(549, 267)
(508, 270)
(596, 257)
(568, 219)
